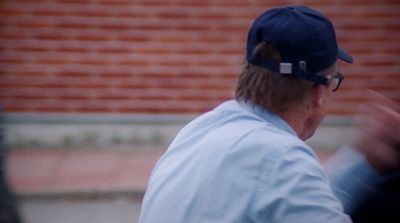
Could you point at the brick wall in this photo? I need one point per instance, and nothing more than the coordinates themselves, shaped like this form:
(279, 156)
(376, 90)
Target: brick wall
(168, 56)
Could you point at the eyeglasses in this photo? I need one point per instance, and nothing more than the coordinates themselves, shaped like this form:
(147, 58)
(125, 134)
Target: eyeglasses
(335, 81)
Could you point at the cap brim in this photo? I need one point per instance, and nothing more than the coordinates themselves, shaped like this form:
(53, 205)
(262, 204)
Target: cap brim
(344, 56)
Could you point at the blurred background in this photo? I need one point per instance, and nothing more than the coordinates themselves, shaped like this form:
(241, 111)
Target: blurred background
(93, 91)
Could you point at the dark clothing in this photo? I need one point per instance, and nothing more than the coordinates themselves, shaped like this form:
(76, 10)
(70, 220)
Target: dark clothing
(383, 205)
(8, 204)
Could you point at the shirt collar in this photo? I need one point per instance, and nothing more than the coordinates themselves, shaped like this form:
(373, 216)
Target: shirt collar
(268, 116)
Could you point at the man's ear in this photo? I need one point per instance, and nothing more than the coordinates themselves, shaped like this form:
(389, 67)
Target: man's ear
(318, 95)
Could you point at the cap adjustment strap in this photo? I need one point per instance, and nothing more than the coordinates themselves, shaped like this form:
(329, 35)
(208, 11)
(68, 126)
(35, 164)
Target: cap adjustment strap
(288, 69)
(285, 68)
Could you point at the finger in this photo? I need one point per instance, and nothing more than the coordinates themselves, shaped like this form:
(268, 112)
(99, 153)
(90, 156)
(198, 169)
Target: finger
(379, 99)
(387, 122)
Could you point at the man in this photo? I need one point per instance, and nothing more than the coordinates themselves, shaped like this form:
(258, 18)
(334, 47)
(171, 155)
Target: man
(246, 161)
(8, 205)
(382, 202)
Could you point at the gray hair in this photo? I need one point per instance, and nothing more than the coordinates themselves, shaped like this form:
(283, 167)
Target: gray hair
(276, 92)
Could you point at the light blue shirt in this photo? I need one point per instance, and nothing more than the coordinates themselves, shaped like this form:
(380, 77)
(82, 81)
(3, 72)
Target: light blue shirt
(240, 163)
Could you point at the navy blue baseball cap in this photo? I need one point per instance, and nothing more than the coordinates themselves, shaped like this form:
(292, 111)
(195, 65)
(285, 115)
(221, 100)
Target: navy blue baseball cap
(304, 37)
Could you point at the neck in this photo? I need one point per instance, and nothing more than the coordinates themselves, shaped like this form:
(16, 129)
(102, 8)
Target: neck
(301, 122)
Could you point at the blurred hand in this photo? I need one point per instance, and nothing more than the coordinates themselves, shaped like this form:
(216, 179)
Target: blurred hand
(379, 137)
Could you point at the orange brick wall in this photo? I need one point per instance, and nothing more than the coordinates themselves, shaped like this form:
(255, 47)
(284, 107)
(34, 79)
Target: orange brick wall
(168, 56)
